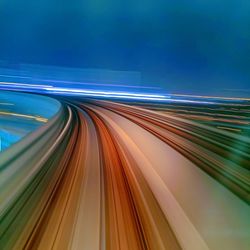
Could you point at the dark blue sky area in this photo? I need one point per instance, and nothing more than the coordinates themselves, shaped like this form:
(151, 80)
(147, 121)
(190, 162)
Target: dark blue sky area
(183, 46)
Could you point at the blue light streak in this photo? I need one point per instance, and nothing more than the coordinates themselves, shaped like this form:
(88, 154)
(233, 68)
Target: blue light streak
(49, 89)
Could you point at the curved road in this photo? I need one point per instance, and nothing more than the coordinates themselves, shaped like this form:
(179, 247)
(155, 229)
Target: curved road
(118, 176)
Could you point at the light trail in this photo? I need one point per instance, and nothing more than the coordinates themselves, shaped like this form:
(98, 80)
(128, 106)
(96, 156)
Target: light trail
(213, 97)
(122, 95)
(6, 104)
(97, 92)
(37, 118)
(27, 85)
(95, 84)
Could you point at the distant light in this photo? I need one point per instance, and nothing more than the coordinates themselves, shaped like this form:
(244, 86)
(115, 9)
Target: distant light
(124, 95)
(26, 85)
(97, 92)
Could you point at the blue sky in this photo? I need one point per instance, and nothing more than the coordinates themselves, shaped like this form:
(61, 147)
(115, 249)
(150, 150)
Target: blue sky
(183, 46)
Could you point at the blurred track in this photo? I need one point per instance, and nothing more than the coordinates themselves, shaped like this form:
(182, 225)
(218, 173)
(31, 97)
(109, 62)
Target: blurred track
(114, 176)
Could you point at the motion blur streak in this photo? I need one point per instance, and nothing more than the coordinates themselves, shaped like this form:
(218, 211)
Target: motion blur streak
(106, 175)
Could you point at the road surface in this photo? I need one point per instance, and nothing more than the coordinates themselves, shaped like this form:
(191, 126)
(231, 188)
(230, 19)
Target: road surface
(106, 175)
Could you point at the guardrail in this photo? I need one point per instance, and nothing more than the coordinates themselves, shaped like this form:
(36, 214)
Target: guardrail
(23, 166)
